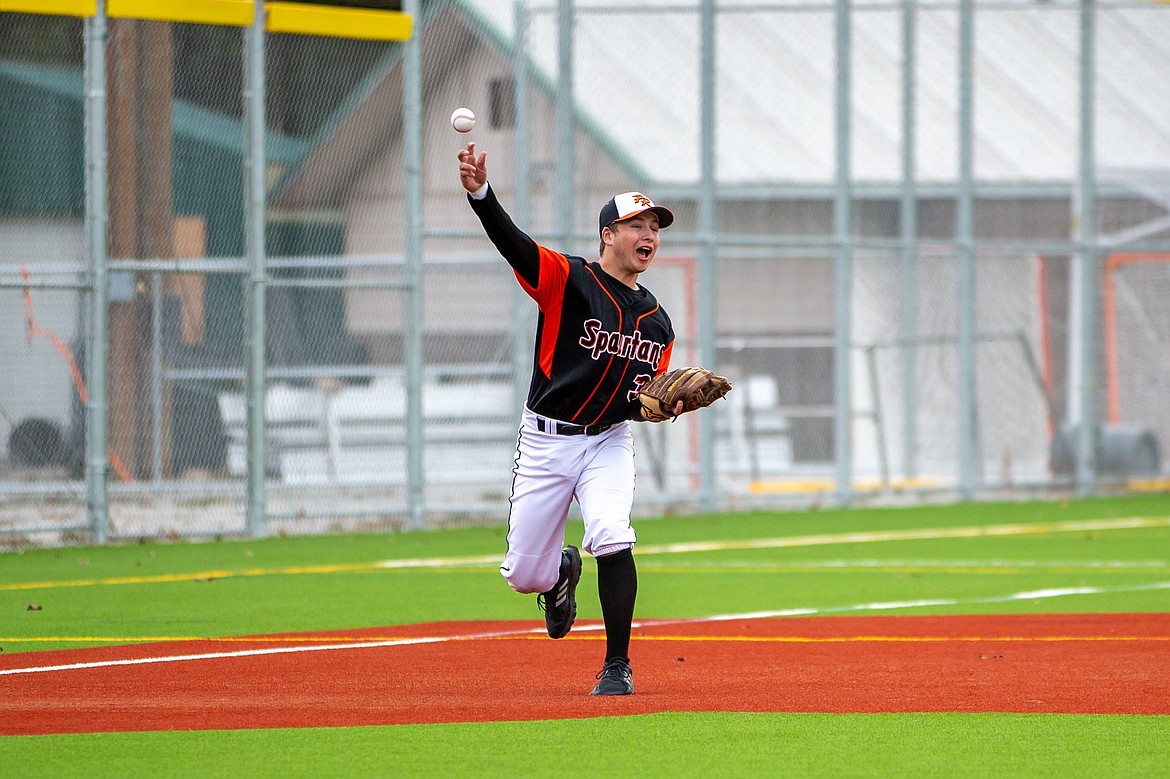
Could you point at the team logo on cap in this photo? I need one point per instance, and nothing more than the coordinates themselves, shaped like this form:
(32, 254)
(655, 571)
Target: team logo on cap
(629, 204)
(632, 203)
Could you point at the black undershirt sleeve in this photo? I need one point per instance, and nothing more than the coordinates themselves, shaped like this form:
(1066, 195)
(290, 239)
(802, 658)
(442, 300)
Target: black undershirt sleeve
(514, 245)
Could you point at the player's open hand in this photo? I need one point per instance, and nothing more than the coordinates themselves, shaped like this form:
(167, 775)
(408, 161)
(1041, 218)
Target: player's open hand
(472, 169)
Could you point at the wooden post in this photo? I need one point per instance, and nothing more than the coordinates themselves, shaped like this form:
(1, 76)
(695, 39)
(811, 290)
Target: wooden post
(141, 219)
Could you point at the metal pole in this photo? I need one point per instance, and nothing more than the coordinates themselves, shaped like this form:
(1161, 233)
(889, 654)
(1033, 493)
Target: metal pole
(96, 230)
(878, 423)
(156, 379)
(566, 168)
(964, 213)
(909, 237)
(1087, 269)
(412, 138)
(707, 278)
(254, 250)
(843, 265)
(522, 308)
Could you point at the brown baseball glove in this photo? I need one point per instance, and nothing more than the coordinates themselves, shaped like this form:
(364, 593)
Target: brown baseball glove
(695, 387)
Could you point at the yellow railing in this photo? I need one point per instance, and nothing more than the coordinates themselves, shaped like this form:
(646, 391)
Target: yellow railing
(299, 18)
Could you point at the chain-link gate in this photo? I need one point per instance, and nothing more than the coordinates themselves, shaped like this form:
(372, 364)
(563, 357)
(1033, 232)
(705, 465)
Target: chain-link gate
(928, 292)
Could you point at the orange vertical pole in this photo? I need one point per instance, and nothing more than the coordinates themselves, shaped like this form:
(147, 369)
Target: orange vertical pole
(1113, 408)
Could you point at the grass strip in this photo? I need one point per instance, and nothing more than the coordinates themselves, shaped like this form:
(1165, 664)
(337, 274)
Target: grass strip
(670, 744)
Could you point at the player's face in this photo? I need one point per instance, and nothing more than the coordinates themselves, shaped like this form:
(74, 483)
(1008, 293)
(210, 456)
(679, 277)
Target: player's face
(635, 242)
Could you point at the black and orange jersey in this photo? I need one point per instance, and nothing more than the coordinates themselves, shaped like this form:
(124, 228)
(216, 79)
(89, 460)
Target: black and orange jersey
(597, 340)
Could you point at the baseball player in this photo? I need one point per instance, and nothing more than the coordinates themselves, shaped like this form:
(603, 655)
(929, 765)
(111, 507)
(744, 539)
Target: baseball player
(600, 335)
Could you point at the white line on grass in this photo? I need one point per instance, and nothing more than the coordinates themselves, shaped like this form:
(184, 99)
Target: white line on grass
(1055, 592)
(866, 537)
(440, 562)
(1104, 565)
(795, 612)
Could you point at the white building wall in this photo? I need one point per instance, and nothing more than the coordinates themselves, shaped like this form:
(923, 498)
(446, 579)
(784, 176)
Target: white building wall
(34, 377)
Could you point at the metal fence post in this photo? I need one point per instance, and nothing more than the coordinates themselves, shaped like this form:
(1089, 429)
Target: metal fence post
(909, 257)
(522, 310)
(412, 140)
(96, 227)
(964, 238)
(1088, 268)
(566, 173)
(843, 265)
(708, 219)
(255, 250)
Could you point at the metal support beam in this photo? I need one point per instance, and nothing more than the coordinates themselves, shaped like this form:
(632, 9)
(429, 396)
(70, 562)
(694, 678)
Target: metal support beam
(566, 149)
(908, 323)
(708, 279)
(965, 242)
(412, 141)
(255, 253)
(1088, 271)
(523, 312)
(843, 264)
(96, 229)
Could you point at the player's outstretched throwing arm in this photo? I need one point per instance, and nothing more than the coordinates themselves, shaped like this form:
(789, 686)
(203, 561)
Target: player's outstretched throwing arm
(514, 244)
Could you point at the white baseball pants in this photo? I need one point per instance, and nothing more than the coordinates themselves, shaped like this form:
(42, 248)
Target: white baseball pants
(551, 470)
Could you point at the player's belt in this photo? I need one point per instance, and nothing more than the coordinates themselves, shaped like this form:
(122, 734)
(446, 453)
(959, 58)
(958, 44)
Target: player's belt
(559, 428)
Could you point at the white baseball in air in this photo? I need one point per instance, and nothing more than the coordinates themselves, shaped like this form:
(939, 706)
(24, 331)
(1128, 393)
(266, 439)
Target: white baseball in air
(462, 119)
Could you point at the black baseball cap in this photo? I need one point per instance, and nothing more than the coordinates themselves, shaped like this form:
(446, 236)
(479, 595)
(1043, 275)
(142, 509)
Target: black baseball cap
(629, 204)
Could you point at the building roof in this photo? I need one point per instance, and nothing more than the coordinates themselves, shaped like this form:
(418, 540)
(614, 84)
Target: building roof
(191, 121)
(637, 82)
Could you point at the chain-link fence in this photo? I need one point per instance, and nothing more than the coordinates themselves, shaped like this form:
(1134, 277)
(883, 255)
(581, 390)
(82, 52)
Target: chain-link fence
(925, 294)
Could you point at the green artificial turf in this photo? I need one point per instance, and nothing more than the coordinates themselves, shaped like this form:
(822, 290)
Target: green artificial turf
(650, 745)
(761, 562)
(88, 596)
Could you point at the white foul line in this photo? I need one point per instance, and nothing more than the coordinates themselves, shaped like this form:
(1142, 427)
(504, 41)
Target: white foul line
(793, 612)
(259, 652)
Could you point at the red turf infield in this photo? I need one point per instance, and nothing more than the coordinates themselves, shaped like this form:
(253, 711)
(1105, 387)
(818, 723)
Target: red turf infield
(1050, 663)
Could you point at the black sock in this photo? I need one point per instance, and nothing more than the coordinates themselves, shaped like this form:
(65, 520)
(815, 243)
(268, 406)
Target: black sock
(617, 588)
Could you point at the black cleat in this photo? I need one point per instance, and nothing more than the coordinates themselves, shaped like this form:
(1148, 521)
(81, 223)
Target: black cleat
(560, 603)
(616, 678)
